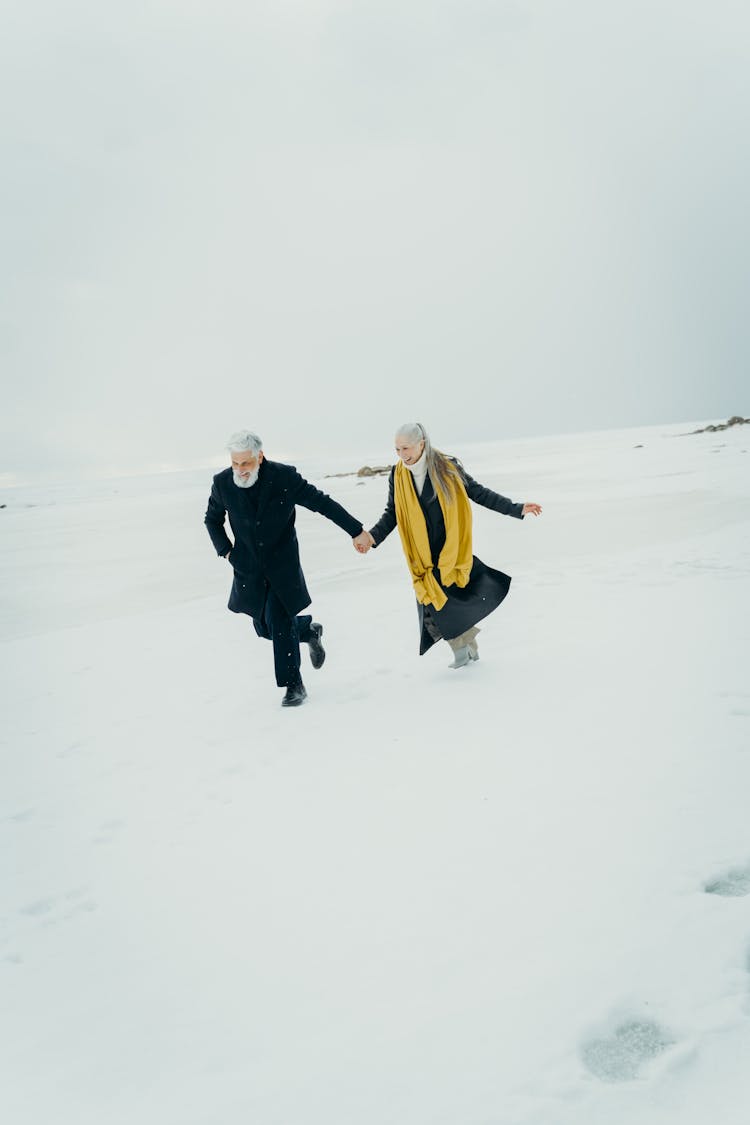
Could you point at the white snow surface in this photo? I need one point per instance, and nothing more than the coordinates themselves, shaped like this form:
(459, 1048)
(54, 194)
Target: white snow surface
(514, 894)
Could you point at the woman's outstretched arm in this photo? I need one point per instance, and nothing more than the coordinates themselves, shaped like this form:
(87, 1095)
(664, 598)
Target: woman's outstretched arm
(494, 501)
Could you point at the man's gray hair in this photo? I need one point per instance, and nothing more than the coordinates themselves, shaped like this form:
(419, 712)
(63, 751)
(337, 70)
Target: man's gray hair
(244, 440)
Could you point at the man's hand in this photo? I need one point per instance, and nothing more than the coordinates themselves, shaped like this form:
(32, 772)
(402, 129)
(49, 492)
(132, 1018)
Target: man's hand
(532, 509)
(363, 542)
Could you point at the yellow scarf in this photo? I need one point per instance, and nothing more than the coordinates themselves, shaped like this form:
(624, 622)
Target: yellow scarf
(456, 557)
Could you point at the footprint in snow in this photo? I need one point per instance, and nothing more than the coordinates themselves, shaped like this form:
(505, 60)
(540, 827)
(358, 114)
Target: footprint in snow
(22, 817)
(54, 909)
(108, 831)
(733, 884)
(39, 908)
(618, 1057)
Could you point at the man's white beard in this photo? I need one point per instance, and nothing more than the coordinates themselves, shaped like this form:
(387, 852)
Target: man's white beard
(249, 482)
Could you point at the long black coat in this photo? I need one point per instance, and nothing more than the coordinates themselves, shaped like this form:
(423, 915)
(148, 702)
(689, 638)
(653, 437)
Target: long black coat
(486, 587)
(265, 551)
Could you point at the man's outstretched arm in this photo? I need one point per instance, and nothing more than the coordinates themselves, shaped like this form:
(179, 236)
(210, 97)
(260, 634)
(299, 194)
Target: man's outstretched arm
(312, 498)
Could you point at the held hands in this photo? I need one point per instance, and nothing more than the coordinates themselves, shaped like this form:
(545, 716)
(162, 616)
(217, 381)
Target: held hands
(532, 509)
(363, 542)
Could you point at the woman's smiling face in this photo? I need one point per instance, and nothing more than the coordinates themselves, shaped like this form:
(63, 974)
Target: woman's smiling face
(408, 451)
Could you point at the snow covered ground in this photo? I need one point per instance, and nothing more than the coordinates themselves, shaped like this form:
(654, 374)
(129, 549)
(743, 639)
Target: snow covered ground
(517, 894)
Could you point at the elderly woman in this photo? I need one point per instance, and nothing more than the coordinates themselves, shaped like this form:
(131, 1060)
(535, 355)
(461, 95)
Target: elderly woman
(428, 500)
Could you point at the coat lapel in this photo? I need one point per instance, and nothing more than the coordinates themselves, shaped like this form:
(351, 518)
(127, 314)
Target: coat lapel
(428, 492)
(265, 478)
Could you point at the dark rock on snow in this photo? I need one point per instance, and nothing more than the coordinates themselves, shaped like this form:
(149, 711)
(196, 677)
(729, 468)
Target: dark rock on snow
(735, 420)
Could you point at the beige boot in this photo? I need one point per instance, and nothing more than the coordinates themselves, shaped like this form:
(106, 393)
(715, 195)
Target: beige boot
(472, 642)
(464, 648)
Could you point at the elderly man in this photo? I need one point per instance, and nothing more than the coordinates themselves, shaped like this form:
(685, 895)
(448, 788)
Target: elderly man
(260, 496)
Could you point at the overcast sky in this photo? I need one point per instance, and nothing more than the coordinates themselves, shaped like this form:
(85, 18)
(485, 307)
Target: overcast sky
(318, 219)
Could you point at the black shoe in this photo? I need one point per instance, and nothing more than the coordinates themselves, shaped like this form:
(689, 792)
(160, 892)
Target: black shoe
(317, 652)
(295, 695)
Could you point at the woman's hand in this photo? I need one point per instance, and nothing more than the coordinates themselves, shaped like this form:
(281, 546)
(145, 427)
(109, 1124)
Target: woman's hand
(363, 542)
(532, 509)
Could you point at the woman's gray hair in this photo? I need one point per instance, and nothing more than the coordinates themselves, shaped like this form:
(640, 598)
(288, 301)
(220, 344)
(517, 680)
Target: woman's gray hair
(244, 440)
(415, 432)
(441, 469)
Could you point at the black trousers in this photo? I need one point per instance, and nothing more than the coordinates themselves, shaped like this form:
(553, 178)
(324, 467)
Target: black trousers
(286, 633)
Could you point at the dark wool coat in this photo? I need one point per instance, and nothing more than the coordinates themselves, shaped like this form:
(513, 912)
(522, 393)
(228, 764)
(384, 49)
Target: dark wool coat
(266, 552)
(486, 587)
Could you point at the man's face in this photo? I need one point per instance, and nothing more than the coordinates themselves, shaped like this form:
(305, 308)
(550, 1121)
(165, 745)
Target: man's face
(245, 463)
(245, 466)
